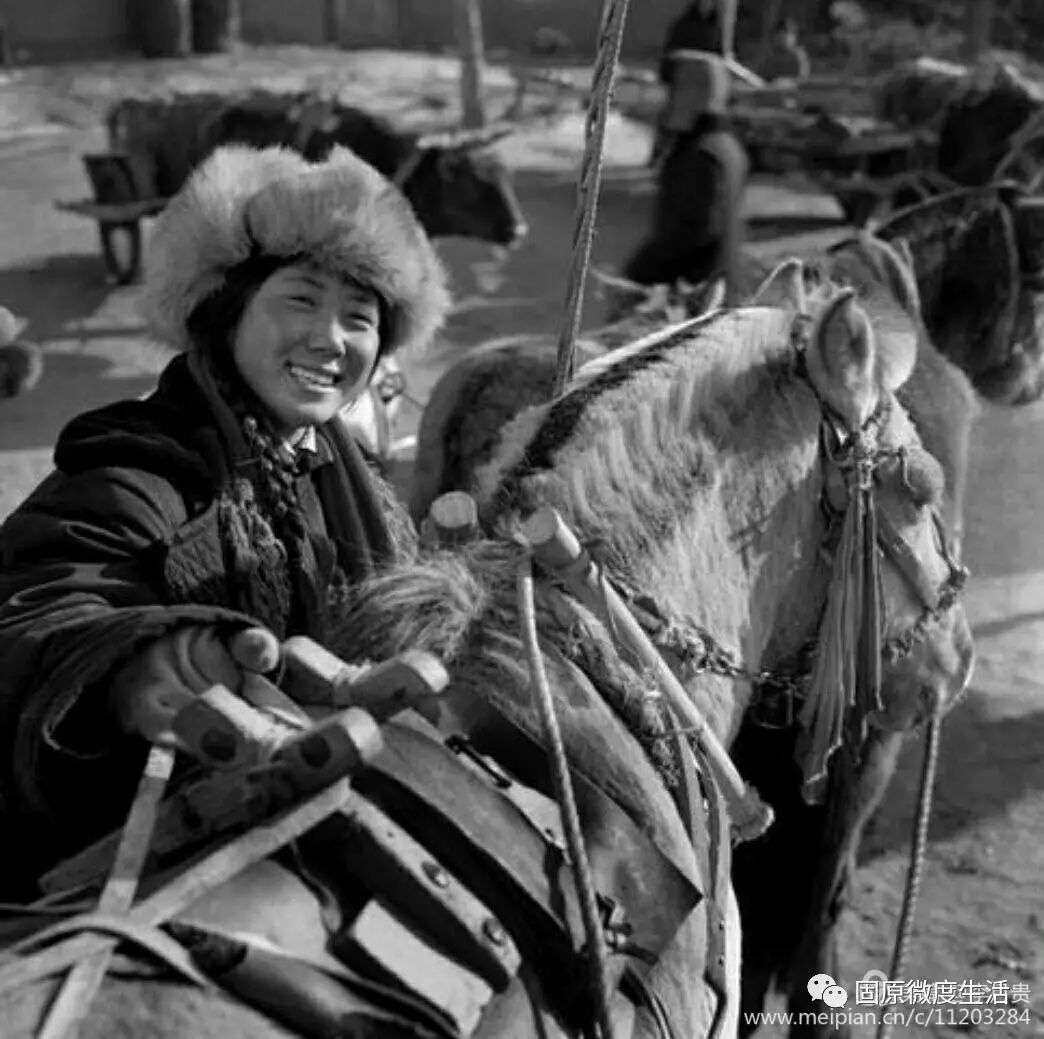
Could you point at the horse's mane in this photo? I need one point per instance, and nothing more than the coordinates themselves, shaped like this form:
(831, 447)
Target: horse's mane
(622, 452)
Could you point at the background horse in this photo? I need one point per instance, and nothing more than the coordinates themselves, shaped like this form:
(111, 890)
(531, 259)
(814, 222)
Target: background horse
(978, 255)
(697, 464)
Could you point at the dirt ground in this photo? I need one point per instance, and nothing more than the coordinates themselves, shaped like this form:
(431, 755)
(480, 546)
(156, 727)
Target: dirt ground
(982, 907)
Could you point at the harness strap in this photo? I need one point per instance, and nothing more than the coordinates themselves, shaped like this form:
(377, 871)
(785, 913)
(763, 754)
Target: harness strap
(212, 944)
(225, 862)
(507, 857)
(641, 994)
(904, 558)
(145, 936)
(78, 990)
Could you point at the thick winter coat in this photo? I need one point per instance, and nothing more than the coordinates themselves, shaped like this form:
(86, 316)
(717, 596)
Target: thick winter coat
(122, 544)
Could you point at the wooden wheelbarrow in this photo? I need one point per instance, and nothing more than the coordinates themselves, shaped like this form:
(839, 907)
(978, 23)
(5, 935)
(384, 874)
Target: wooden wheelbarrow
(123, 197)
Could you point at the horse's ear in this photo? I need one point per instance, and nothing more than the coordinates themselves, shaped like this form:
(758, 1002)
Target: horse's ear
(901, 271)
(842, 359)
(784, 287)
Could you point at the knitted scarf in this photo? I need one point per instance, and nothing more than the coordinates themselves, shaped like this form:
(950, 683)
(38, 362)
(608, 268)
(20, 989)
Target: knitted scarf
(269, 556)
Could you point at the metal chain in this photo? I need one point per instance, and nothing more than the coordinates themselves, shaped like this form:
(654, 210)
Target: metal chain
(609, 38)
(700, 653)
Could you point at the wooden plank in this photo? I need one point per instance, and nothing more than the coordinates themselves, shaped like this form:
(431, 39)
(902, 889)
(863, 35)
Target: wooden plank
(113, 212)
(81, 984)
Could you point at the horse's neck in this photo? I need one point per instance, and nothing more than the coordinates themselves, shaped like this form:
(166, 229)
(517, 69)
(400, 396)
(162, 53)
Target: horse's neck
(747, 568)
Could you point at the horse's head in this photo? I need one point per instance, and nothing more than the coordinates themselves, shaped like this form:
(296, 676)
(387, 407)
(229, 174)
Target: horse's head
(460, 186)
(894, 585)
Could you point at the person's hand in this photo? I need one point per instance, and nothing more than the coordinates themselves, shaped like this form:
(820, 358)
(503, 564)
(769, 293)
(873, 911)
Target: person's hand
(149, 691)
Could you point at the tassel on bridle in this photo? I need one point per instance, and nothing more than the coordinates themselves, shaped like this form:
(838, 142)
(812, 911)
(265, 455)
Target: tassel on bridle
(846, 672)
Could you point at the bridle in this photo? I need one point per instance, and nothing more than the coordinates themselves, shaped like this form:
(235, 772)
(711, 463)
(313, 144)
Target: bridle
(780, 692)
(858, 458)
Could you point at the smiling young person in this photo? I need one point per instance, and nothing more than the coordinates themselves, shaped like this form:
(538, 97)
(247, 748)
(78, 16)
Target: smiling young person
(180, 537)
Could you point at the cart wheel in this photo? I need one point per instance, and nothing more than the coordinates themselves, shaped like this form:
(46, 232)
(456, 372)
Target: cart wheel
(121, 250)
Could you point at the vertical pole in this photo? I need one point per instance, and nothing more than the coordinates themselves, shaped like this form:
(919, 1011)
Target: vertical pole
(727, 16)
(589, 185)
(470, 47)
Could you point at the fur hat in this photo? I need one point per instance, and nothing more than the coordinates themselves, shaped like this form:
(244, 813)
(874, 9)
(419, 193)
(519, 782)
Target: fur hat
(341, 214)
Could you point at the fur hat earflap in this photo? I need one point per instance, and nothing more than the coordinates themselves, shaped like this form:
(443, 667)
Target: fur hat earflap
(340, 214)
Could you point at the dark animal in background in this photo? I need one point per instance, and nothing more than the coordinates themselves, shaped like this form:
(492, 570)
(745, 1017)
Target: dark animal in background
(978, 115)
(977, 131)
(979, 259)
(456, 185)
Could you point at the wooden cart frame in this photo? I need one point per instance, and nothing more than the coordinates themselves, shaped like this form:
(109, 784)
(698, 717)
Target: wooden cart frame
(121, 202)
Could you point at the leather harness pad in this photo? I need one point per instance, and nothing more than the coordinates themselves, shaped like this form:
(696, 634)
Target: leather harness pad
(514, 869)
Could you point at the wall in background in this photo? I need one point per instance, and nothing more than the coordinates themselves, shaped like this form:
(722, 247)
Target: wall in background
(53, 29)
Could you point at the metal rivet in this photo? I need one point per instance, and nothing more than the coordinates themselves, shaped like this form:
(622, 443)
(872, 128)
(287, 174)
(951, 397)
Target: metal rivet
(721, 961)
(721, 925)
(494, 931)
(436, 874)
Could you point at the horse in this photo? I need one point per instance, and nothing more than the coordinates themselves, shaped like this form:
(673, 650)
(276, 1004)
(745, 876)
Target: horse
(978, 254)
(811, 849)
(805, 838)
(700, 468)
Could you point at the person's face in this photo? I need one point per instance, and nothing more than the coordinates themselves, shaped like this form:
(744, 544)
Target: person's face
(307, 344)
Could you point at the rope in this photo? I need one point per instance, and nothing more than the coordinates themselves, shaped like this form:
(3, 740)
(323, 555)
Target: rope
(610, 36)
(597, 957)
(1029, 133)
(917, 855)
